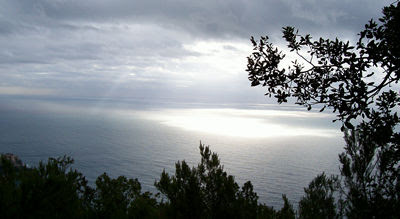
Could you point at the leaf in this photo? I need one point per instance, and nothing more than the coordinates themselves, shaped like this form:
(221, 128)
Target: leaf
(349, 125)
(255, 83)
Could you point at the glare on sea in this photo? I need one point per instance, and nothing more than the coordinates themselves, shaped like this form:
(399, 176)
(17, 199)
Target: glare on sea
(241, 122)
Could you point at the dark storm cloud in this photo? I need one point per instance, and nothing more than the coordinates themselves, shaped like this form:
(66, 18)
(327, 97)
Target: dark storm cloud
(207, 18)
(123, 47)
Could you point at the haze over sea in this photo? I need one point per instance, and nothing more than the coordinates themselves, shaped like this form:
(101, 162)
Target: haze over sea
(279, 148)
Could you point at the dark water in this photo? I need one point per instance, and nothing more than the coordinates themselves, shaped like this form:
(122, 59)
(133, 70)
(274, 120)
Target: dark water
(137, 142)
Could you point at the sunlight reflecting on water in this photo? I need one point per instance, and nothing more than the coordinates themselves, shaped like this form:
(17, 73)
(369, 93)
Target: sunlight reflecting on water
(245, 123)
(280, 149)
(233, 122)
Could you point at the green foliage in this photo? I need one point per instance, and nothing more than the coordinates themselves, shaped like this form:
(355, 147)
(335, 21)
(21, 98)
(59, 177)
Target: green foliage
(122, 198)
(319, 200)
(356, 82)
(371, 176)
(46, 190)
(54, 190)
(207, 191)
(287, 211)
(9, 202)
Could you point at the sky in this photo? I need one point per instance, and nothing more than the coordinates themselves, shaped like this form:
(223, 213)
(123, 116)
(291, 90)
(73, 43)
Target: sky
(193, 51)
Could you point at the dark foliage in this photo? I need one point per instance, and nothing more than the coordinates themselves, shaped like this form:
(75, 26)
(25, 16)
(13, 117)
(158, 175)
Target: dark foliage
(122, 198)
(332, 73)
(319, 200)
(53, 190)
(359, 84)
(48, 189)
(207, 191)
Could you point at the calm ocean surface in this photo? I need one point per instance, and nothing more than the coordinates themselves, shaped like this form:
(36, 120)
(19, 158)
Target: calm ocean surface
(280, 149)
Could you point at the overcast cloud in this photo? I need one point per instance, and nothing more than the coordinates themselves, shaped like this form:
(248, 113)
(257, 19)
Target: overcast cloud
(186, 50)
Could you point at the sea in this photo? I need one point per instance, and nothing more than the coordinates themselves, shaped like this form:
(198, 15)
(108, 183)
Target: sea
(279, 148)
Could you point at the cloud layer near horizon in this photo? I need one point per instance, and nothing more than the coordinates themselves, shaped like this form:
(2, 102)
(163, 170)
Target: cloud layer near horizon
(189, 50)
